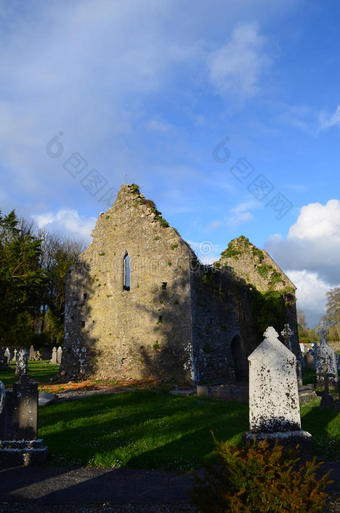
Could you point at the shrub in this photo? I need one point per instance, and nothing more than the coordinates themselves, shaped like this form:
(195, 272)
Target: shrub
(259, 479)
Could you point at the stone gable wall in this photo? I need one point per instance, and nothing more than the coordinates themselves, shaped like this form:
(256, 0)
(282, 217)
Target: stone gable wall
(257, 269)
(138, 333)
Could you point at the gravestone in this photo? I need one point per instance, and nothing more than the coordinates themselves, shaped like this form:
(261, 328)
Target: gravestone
(59, 354)
(8, 354)
(3, 359)
(326, 355)
(22, 363)
(309, 359)
(31, 355)
(14, 359)
(54, 356)
(19, 444)
(274, 410)
(327, 400)
(287, 334)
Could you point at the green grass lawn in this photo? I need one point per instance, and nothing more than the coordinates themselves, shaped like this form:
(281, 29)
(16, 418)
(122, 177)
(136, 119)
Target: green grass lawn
(40, 371)
(153, 429)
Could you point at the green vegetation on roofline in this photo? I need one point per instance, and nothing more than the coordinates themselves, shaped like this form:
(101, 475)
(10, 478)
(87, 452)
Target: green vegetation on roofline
(242, 245)
(158, 214)
(231, 251)
(263, 271)
(135, 188)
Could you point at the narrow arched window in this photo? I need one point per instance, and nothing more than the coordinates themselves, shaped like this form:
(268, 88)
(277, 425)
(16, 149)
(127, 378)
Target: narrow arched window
(126, 272)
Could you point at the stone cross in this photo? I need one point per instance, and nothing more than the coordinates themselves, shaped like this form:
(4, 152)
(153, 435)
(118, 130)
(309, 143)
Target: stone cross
(325, 355)
(22, 363)
(327, 400)
(323, 332)
(273, 387)
(287, 333)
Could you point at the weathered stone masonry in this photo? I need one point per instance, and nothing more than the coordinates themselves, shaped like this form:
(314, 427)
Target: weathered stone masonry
(139, 304)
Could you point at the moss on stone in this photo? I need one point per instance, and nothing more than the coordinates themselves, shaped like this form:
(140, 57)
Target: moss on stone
(263, 270)
(135, 188)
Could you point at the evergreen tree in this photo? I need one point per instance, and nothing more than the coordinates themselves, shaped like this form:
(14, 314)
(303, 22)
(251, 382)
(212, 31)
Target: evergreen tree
(22, 280)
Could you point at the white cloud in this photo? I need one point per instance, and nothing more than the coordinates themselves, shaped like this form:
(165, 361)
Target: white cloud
(311, 294)
(157, 125)
(66, 222)
(242, 212)
(311, 253)
(313, 242)
(328, 121)
(237, 66)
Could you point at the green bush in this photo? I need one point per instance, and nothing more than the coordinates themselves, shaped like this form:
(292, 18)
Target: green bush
(259, 479)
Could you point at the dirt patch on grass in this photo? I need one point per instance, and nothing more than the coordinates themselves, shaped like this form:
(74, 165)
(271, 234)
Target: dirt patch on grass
(103, 385)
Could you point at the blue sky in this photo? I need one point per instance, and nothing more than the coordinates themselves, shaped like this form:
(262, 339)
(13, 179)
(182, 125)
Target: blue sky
(146, 91)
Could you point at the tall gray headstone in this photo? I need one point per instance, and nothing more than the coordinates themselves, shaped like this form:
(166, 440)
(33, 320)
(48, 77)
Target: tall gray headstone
(274, 410)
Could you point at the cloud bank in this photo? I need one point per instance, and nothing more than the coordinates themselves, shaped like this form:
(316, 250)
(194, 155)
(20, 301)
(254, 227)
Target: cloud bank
(310, 254)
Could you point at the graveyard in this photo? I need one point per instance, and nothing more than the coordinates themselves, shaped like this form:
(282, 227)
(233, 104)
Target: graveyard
(143, 424)
(51, 426)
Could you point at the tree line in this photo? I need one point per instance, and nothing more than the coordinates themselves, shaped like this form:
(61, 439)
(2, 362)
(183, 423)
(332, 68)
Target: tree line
(33, 267)
(331, 319)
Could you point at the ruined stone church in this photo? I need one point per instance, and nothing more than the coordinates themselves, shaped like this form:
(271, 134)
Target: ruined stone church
(140, 305)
